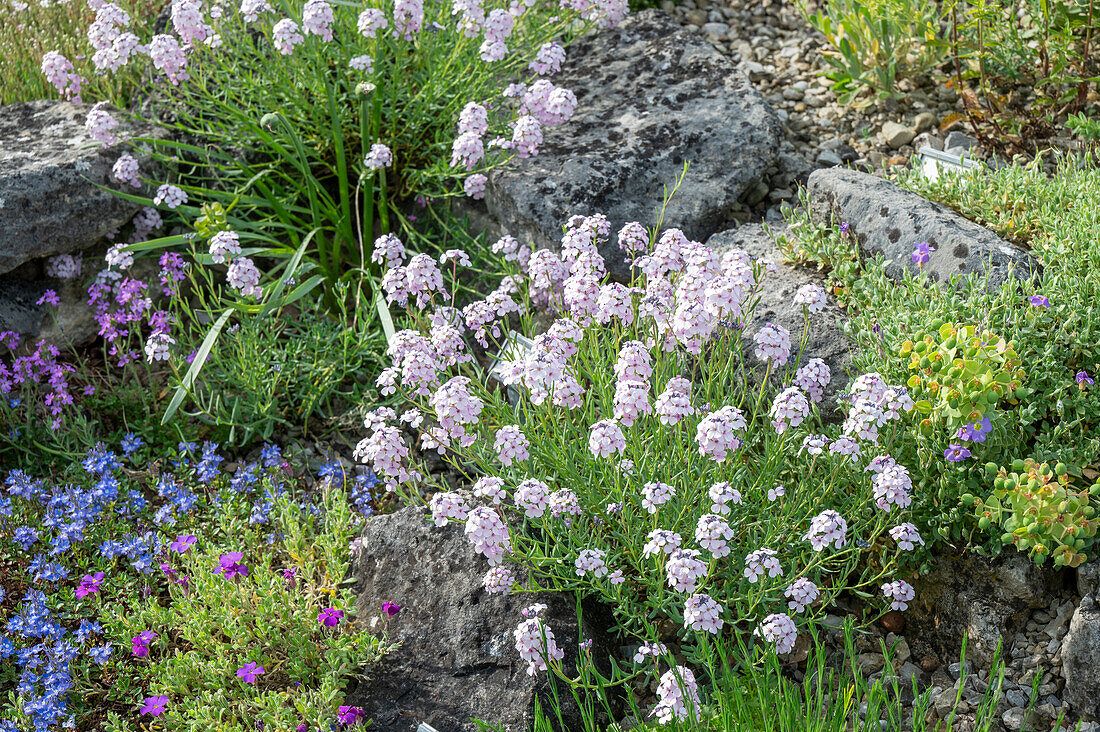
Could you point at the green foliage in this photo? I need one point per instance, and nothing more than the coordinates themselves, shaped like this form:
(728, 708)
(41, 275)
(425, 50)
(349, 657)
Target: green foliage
(1084, 127)
(1040, 512)
(960, 375)
(32, 28)
(876, 43)
(1056, 419)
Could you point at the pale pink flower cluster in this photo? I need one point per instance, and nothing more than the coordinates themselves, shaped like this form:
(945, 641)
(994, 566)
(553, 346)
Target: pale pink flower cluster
(678, 696)
(801, 594)
(633, 239)
(499, 580)
(606, 439)
(251, 9)
(893, 487)
(812, 378)
(713, 534)
(773, 342)
(388, 250)
(703, 613)
(631, 401)
(845, 445)
(532, 496)
(168, 57)
(874, 403)
(421, 278)
(100, 125)
(487, 532)
(536, 645)
(722, 494)
(899, 592)
(548, 60)
(828, 527)
(564, 503)
(511, 445)
(63, 267)
(490, 487)
(59, 71)
(716, 434)
(371, 21)
(189, 23)
(780, 630)
(789, 408)
(455, 407)
(759, 562)
(224, 245)
(907, 536)
(661, 540)
(814, 444)
(158, 347)
(317, 19)
(244, 277)
(674, 403)
(170, 196)
(126, 170)
(119, 257)
(385, 451)
(812, 297)
(592, 560)
(656, 494)
(380, 156)
(474, 186)
(447, 505)
(649, 649)
(684, 570)
(634, 362)
(408, 18)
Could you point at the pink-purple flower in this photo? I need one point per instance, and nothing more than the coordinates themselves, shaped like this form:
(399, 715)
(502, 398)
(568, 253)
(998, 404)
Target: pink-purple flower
(154, 706)
(248, 672)
(330, 617)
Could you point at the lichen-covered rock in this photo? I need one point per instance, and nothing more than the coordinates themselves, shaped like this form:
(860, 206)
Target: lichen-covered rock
(889, 221)
(651, 97)
(457, 659)
(49, 169)
(825, 339)
(1081, 660)
(987, 599)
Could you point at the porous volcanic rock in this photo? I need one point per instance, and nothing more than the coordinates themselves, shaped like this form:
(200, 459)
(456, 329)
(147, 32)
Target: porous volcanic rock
(1081, 659)
(987, 599)
(889, 221)
(49, 170)
(457, 659)
(651, 97)
(825, 339)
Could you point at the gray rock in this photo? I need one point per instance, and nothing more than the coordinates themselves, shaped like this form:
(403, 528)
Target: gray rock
(826, 337)
(651, 97)
(926, 139)
(1081, 659)
(924, 122)
(1015, 719)
(49, 168)
(456, 660)
(70, 324)
(987, 599)
(1088, 579)
(959, 139)
(889, 221)
(897, 135)
(18, 311)
(829, 159)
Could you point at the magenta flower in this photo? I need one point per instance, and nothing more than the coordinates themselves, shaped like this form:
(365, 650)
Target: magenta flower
(183, 542)
(391, 608)
(49, 297)
(1083, 379)
(230, 567)
(1039, 301)
(141, 643)
(350, 715)
(330, 617)
(89, 585)
(956, 452)
(155, 705)
(922, 251)
(249, 672)
(290, 574)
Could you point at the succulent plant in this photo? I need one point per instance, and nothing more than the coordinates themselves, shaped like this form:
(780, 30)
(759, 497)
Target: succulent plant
(1040, 511)
(961, 375)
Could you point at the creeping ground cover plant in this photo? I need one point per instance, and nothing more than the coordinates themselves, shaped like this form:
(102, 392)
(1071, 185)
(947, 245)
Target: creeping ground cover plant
(661, 453)
(141, 593)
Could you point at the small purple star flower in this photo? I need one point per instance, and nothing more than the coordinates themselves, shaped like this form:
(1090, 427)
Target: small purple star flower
(922, 251)
(183, 542)
(956, 453)
(1083, 379)
(248, 672)
(349, 715)
(330, 617)
(154, 705)
(1039, 301)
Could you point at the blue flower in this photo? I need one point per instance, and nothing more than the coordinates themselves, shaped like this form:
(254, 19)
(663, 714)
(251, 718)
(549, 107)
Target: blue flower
(131, 443)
